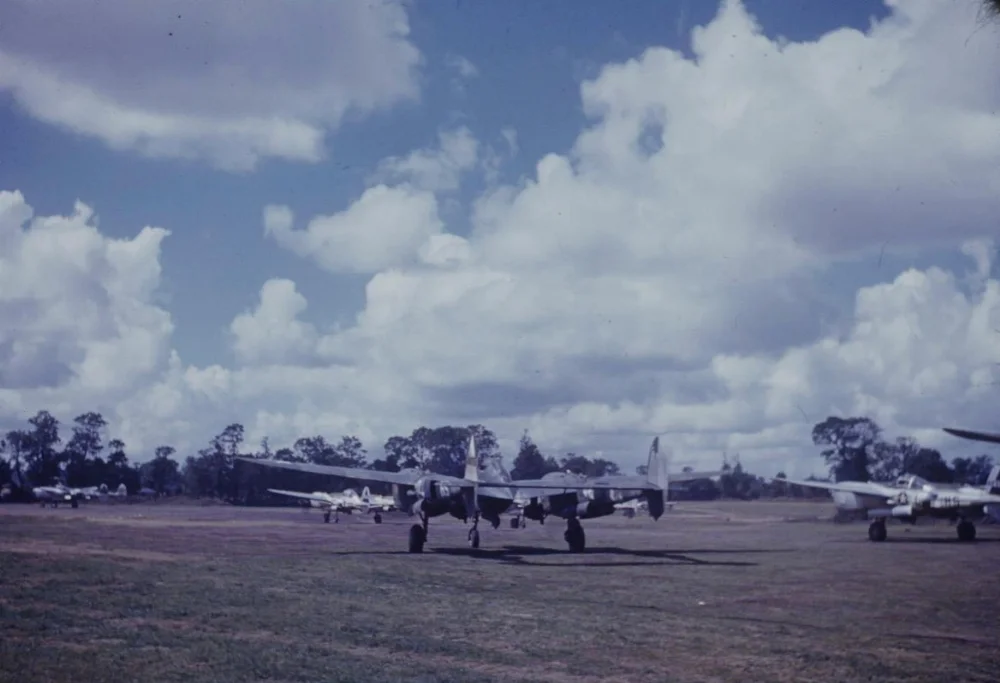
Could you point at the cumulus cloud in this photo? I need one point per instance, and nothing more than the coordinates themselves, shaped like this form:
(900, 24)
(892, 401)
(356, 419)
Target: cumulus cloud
(77, 317)
(669, 273)
(384, 228)
(192, 79)
(272, 333)
(434, 170)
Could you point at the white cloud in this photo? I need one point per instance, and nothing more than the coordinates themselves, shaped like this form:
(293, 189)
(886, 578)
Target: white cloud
(462, 66)
(272, 333)
(434, 170)
(666, 276)
(77, 318)
(384, 228)
(191, 79)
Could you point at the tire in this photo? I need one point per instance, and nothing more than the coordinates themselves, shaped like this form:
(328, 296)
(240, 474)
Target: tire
(417, 539)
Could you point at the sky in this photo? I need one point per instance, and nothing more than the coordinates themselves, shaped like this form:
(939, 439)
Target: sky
(599, 222)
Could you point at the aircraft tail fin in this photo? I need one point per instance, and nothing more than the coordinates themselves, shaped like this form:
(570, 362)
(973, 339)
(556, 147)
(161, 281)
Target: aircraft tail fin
(658, 465)
(472, 474)
(472, 461)
(122, 490)
(658, 474)
(993, 481)
(366, 495)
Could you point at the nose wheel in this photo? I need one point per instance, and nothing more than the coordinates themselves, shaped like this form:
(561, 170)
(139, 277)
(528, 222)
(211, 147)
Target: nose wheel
(966, 531)
(474, 532)
(418, 535)
(574, 536)
(876, 532)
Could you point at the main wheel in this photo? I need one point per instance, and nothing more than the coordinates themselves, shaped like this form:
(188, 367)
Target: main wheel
(378, 518)
(877, 532)
(74, 503)
(575, 537)
(326, 517)
(966, 531)
(514, 522)
(417, 539)
(474, 539)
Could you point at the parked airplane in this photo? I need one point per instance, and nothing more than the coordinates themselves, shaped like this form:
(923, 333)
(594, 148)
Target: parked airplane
(334, 503)
(106, 496)
(581, 497)
(910, 497)
(486, 493)
(992, 510)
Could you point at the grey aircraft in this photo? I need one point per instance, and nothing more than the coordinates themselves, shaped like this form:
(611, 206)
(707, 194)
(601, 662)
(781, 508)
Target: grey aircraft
(486, 493)
(910, 497)
(573, 497)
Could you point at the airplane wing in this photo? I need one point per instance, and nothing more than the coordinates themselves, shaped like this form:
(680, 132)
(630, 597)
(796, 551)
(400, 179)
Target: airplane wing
(358, 473)
(865, 488)
(973, 436)
(304, 496)
(692, 476)
(613, 483)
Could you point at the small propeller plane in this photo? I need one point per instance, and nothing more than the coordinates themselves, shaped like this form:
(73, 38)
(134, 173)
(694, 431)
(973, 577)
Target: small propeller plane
(485, 493)
(574, 497)
(910, 497)
(334, 503)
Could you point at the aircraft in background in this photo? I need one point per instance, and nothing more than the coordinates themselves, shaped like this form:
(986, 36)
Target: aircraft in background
(630, 508)
(107, 496)
(910, 497)
(574, 497)
(334, 503)
(992, 510)
(486, 492)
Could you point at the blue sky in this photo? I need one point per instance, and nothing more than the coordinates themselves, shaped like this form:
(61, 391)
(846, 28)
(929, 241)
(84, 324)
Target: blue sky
(531, 59)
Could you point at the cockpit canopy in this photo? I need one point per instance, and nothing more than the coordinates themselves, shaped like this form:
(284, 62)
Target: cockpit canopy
(911, 481)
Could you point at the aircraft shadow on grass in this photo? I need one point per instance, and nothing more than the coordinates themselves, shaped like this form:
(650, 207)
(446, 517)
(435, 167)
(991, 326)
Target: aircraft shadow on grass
(520, 555)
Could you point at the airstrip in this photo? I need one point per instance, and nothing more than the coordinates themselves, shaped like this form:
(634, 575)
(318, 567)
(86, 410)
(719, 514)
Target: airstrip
(710, 592)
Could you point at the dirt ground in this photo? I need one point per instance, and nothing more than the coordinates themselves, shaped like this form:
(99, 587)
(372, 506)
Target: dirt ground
(710, 592)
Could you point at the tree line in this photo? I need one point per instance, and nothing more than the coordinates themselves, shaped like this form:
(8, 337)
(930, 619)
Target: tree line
(853, 448)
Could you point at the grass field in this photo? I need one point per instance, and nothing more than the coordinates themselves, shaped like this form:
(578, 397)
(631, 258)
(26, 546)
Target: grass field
(713, 592)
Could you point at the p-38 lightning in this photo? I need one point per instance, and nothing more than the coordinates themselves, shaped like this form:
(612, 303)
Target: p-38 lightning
(347, 501)
(910, 497)
(485, 493)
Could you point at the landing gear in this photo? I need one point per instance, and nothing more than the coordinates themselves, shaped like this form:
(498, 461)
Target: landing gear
(574, 536)
(515, 522)
(378, 518)
(876, 532)
(74, 503)
(474, 532)
(418, 535)
(326, 516)
(966, 531)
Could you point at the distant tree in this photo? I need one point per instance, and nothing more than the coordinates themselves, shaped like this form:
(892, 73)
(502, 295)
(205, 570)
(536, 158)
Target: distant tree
(529, 463)
(972, 470)
(288, 455)
(350, 452)
(162, 472)
(642, 470)
(851, 444)
(81, 455)
(929, 464)
(44, 462)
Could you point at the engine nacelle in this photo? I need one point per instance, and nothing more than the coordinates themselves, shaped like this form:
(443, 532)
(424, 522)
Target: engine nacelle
(595, 508)
(534, 510)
